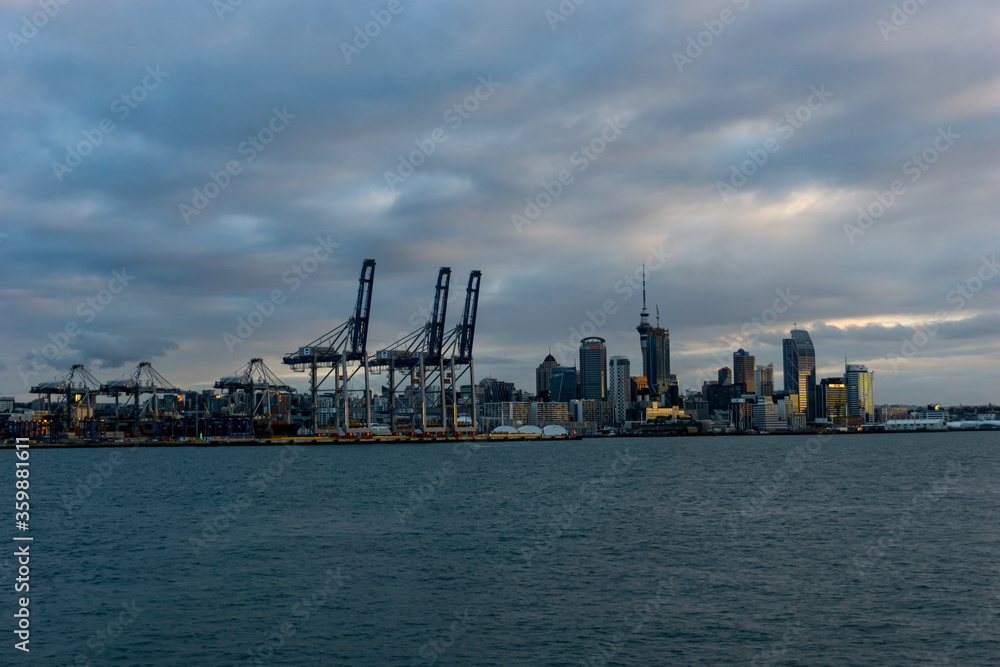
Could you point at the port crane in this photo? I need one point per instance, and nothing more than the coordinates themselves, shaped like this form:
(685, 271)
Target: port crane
(78, 389)
(252, 391)
(143, 380)
(334, 349)
(422, 357)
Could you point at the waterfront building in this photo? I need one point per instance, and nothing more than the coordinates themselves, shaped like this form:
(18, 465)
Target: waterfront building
(743, 370)
(563, 384)
(831, 398)
(764, 380)
(800, 371)
(497, 391)
(619, 387)
(765, 417)
(543, 414)
(543, 376)
(860, 392)
(593, 369)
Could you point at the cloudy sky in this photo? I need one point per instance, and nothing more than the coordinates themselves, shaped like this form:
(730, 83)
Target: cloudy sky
(213, 153)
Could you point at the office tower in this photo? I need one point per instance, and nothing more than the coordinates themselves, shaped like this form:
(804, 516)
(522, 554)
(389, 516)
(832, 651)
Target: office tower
(831, 398)
(743, 370)
(654, 343)
(496, 391)
(542, 376)
(725, 375)
(619, 386)
(764, 380)
(860, 392)
(800, 371)
(639, 390)
(593, 369)
(562, 384)
(659, 358)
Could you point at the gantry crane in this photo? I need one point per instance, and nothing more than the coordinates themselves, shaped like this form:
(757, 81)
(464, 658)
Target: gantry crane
(334, 349)
(79, 390)
(144, 380)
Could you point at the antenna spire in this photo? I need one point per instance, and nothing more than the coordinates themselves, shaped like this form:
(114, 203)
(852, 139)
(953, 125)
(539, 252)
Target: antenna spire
(644, 287)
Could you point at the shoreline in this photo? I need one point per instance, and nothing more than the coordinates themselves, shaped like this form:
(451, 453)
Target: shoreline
(410, 440)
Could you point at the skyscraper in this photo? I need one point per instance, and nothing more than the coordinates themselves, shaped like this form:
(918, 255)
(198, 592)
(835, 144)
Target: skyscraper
(860, 392)
(831, 398)
(654, 343)
(725, 375)
(743, 370)
(800, 371)
(542, 376)
(562, 384)
(764, 380)
(619, 386)
(593, 369)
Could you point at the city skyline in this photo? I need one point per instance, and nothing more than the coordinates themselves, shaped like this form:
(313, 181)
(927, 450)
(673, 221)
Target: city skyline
(200, 202)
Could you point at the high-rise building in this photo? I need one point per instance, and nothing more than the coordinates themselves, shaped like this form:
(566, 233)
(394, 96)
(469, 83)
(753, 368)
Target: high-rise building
(743, 370)
(831, 398)
(764, 380)
(619, 386)
(654, 343)
(497, 391)
(860, 392)
(800, 371)
(562, 384)
(542, 376)
(725, 375)
(593, 369)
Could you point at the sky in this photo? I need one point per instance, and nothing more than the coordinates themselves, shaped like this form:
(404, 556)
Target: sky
(167, 169)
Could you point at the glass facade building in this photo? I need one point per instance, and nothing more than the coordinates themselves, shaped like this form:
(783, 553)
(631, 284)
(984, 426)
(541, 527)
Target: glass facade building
(800, 371)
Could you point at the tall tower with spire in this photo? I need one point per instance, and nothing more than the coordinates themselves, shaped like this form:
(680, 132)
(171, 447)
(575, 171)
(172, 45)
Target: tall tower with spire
(644, 328)
(654, 342)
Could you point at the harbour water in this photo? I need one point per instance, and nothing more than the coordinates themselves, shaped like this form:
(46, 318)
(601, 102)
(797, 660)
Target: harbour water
(861, 549)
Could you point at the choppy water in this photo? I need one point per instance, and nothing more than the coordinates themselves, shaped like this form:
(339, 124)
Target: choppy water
(857, 550)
